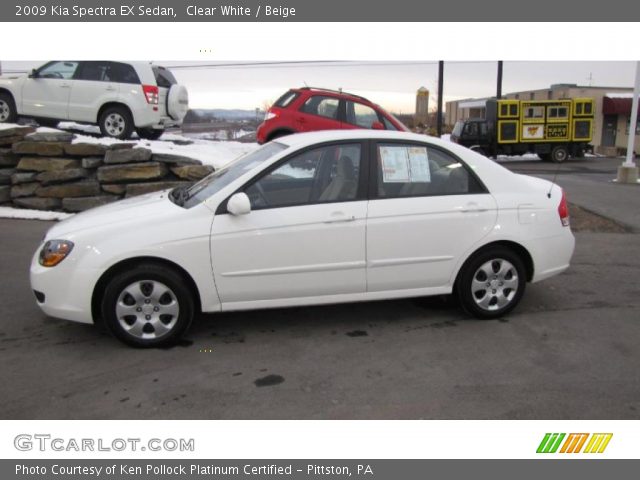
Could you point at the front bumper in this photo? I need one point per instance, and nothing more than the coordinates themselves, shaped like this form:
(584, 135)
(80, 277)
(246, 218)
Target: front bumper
(66, 289)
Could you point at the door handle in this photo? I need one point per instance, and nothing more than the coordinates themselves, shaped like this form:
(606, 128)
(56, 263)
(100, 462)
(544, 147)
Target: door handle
(339, 217)
(64, 85)
(472, 207)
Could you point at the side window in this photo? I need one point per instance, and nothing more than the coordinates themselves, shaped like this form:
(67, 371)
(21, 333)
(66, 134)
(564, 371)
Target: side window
(361, 115)
(122, 73)
(59, 70)
(534, 112)
(322, 175)
(94, 71)
(322, 106)
(387, 124)
(471, 129)
(417, 170)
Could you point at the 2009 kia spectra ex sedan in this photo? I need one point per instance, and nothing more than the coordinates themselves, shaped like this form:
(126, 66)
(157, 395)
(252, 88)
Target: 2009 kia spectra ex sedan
(314, 218)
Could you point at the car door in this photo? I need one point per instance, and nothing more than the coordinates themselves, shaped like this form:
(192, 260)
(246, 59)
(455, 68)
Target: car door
(304, 237)
(94, 86)
(318, 112)
(427, 209)
(46, 92)
(359, 115)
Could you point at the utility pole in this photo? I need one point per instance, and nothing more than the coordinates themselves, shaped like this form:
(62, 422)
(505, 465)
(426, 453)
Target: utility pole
(440, 87)
(628, 171)
(499, 87)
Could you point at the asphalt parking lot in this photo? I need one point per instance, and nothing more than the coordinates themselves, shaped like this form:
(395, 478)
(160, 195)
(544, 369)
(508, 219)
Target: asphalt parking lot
(569, 351)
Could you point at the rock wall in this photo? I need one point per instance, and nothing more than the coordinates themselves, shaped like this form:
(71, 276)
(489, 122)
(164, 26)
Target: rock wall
(46, 171)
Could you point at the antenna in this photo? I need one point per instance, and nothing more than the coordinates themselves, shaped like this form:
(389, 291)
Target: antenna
(553, 182)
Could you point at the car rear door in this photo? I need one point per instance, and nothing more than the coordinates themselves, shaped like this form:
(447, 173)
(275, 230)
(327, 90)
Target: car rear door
(95, 85)
(46, 94)
(359, 115)
(318, 112)
(427, 209)
(304, 237)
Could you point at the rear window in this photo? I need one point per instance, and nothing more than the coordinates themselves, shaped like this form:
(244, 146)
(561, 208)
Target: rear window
(123, 73)
(286, 99)
(164, 78)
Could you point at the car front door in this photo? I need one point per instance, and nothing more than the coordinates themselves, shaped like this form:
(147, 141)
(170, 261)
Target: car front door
(427, 210)
(318, 112)
(304, 237)
(93, 87)
(46, 94)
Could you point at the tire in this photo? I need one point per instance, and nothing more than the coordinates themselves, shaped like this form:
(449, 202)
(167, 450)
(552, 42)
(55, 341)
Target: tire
(116, 122)
(147, 306)
(8, 112)
(559, 154)
(149, 133)
(484, 281)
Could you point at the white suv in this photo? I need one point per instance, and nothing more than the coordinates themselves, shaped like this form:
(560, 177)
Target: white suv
(120, 97)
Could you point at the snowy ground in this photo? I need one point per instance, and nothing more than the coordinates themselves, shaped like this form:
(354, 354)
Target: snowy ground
(26, 214)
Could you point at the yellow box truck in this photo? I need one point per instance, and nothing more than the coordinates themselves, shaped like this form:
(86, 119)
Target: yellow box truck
(553, 129)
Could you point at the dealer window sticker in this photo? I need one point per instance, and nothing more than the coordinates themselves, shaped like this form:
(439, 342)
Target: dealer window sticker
(401, 164)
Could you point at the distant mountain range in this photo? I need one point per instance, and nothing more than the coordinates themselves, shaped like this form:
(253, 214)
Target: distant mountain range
(205, 115)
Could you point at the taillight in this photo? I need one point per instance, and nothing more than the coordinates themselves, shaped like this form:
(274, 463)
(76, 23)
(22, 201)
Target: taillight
(563, 210)
(151, 93)
(269, 115)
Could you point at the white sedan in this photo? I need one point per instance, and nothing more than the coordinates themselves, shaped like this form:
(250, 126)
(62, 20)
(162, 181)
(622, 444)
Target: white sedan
(314, 218)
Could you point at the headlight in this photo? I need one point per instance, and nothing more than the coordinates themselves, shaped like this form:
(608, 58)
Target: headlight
(54, 251)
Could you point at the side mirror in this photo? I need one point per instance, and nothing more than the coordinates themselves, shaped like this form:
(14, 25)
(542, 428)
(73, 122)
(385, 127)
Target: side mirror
(377, 126)
(33, 74)
(239, 204)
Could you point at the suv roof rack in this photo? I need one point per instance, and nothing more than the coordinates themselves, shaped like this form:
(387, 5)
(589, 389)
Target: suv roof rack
(341, 92)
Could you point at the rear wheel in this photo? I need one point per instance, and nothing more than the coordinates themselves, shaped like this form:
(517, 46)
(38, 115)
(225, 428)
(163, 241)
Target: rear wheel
(116, 122)
(491, 283)
(147, 306)
(149, 133)
(8, 112)
(559, 154)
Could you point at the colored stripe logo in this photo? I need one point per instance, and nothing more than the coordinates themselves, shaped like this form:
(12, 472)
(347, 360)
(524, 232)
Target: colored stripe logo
(574, 443)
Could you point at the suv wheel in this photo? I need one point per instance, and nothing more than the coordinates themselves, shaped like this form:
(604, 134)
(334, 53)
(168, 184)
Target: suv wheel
(147, 306)
(8, 112)
(116, 122)
(149, 133)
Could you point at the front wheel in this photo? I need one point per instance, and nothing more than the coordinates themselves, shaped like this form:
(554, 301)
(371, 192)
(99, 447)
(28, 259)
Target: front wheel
(148, 306)
(116, 122)
(8, 112)
(491, 283)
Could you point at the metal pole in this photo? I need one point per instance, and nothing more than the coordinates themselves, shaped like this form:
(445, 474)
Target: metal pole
(499, 87)
(440, 87)
(633, 120)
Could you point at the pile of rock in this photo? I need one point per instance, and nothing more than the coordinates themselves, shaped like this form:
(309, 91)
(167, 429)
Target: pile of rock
(46, 171)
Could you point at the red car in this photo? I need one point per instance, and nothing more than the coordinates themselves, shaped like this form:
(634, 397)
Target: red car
(309, 109)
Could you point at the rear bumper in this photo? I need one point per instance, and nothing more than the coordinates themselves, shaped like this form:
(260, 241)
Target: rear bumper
(148, 118)
(551, 255)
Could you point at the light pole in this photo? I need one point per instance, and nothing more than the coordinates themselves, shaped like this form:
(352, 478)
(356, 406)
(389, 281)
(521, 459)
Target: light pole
(628, 171)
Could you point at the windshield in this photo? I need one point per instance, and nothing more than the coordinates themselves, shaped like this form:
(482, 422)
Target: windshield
(218, 180)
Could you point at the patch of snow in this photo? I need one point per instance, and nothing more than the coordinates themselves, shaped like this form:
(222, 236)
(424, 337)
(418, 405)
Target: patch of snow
(619, 95)
(80, 127)
(26, 214)
(216, 154)
(527, 157)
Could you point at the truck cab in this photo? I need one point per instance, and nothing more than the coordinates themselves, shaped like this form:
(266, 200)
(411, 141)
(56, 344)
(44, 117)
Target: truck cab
(473, 133)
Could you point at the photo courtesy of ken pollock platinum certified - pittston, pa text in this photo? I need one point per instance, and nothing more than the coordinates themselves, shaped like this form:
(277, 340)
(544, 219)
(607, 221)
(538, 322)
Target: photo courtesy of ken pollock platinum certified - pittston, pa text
(190, 469)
